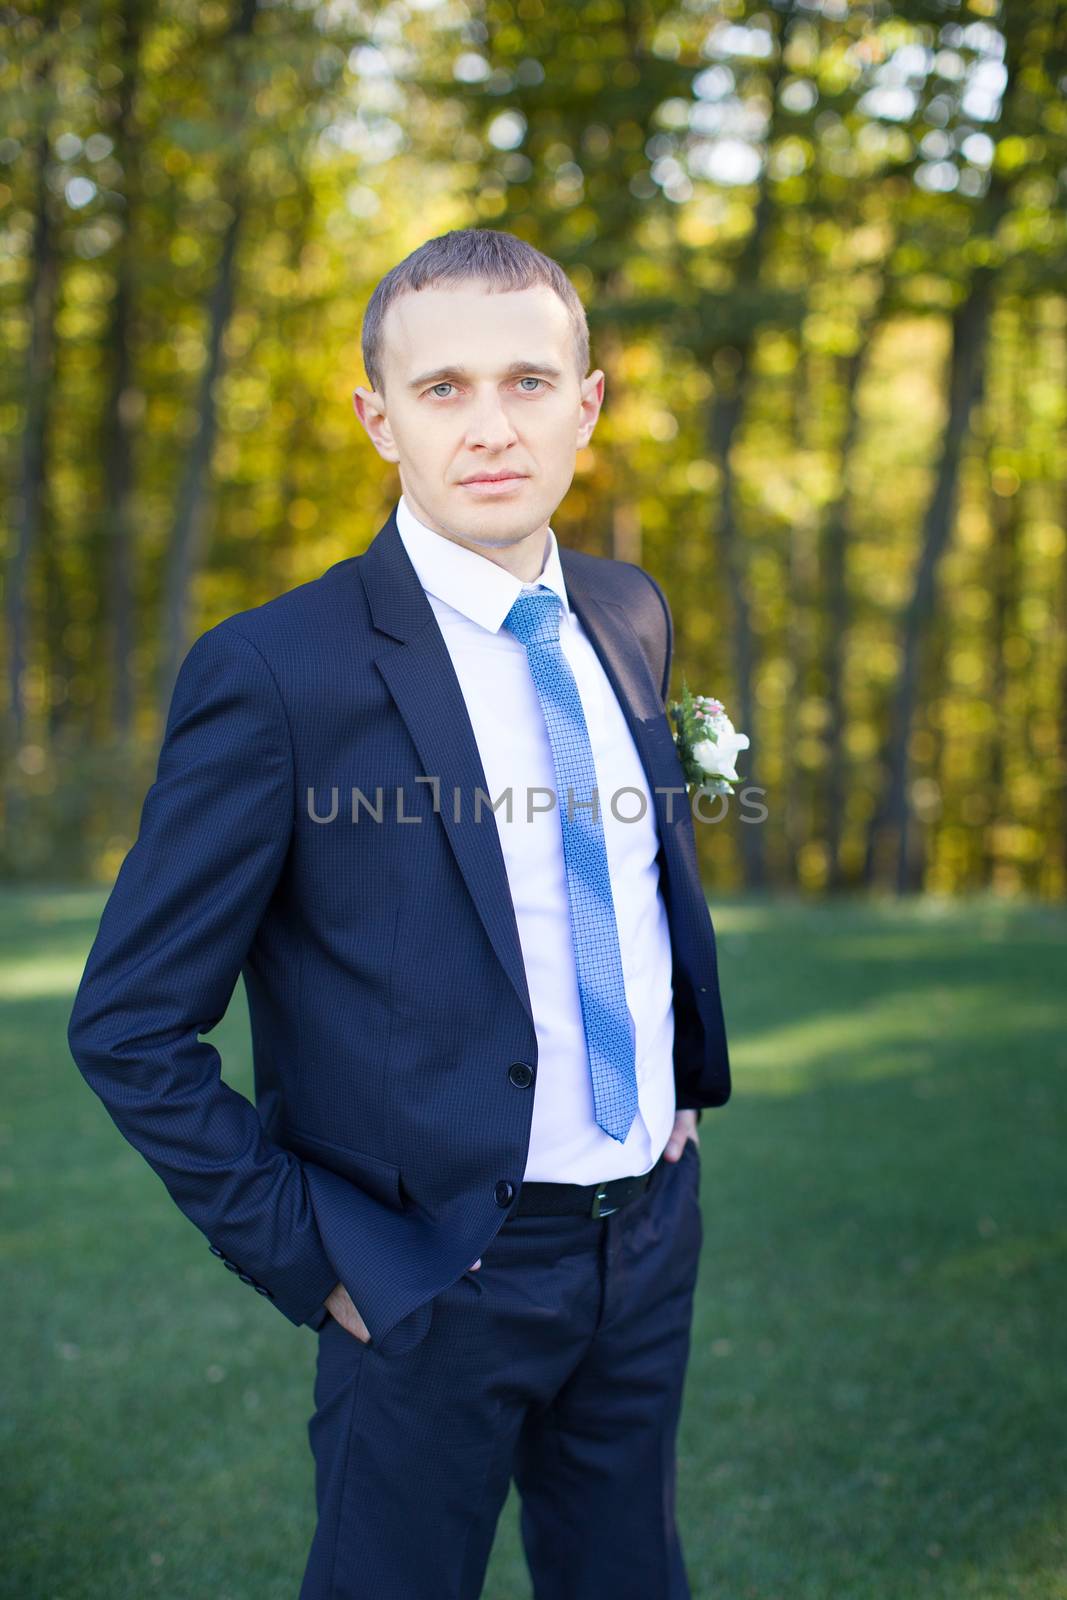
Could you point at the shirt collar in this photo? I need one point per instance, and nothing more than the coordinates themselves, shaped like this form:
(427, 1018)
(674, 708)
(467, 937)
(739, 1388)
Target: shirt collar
(471, 583)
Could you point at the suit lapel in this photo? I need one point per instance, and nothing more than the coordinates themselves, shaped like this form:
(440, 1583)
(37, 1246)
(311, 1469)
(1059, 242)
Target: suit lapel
(624, 661)
(413, 660)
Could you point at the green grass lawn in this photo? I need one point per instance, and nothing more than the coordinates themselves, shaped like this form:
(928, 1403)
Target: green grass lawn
(877, 1395)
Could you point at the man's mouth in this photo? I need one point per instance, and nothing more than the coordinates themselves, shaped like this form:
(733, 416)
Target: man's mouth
(505, 483)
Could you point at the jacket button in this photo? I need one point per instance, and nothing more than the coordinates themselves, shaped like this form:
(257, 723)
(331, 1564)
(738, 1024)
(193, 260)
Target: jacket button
(244, 1277)
(261, 1288)
(702, 989)
(520, 1075)
(505, 1192)
(215, 1251)
(232, 1265)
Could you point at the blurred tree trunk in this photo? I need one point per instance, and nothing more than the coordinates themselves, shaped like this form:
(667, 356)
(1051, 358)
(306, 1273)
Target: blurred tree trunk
(625, 507)
(57, 708)
(185, 547)
(1004, 515)
(122, 413)
(31, 504)
(624, 511)
(31, 507)
(733, 367)
(298, 440)
(799, 622)
(891, 823)
(723, 418)
(970, 329)
(837, 619)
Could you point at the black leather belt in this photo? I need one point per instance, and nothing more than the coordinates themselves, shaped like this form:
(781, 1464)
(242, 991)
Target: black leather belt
(582, 1199)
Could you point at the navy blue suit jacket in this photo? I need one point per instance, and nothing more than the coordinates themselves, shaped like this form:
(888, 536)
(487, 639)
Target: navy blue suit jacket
(381, 960)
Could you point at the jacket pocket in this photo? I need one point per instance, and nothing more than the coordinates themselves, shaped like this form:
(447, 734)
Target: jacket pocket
(381, 1179)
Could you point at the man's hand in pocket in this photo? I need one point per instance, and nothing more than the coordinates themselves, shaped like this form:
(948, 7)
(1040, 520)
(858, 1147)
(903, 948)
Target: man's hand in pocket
(341, 1308)
(340, 1305)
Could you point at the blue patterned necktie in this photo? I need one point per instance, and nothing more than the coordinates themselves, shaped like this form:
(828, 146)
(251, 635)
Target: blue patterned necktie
(534, 619)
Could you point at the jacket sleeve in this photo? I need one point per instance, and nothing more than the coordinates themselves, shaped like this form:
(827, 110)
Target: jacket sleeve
(214, 834)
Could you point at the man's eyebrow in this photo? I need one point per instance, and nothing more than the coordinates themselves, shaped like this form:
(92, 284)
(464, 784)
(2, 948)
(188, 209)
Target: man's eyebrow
(532, 369)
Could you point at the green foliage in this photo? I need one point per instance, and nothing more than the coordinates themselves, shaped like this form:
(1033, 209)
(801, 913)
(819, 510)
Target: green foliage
(687, 731)
(778, 218)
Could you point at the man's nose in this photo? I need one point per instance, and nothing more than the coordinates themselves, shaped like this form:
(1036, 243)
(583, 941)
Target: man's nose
(490, 426)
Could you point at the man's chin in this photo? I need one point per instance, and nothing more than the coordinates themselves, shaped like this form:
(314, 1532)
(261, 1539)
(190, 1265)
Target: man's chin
(495, 537)
(495, 525)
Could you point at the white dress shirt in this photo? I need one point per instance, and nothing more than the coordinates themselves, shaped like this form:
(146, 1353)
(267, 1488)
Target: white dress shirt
(470, 596)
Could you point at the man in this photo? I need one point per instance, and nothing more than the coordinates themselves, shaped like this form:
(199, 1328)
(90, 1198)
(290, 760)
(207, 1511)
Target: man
(430, 808)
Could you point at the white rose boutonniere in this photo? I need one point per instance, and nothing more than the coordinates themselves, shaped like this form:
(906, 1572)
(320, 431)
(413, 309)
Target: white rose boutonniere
(707, 742)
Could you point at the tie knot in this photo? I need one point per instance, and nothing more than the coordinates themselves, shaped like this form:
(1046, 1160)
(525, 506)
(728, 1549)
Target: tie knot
(535, 616)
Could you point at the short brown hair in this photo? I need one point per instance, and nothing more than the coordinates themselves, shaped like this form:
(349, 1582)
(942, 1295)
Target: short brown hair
(487, 254)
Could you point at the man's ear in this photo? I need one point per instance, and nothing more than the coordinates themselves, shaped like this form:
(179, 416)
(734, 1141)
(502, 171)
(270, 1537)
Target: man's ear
(589, 410)
(370, 409)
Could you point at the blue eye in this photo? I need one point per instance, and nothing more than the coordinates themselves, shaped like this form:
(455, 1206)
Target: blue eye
(448, 384)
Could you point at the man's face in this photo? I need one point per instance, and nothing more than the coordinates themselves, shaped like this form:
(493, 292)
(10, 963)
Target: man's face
(480, 383)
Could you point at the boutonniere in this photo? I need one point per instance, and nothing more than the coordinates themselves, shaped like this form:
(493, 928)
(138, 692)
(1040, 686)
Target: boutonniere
(707, 742)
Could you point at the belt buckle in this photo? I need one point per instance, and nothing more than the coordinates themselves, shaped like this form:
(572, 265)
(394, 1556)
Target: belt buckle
(598, 1209)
